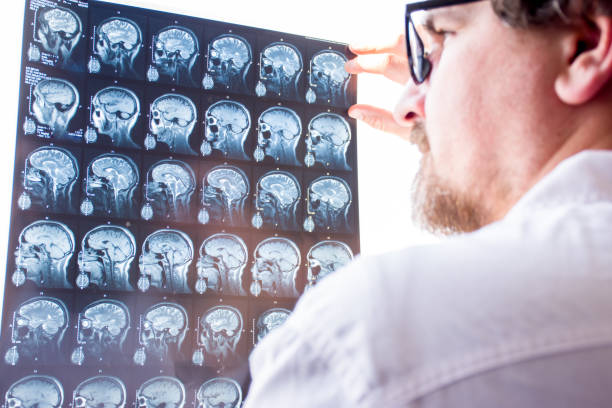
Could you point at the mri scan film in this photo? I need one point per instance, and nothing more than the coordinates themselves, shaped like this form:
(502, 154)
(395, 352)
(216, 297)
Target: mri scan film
(178, 185)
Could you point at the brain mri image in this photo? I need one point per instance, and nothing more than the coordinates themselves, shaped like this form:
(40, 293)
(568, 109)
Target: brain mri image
(101, 331)
(276, 199)
(54, 104)
(280, 67)
(327, 141)
(161, 392)
(107, 252)
(35, 391)
(114, 112)
(228, 61)
(175, 50)
(277, 262)
(219, 332)
(223, 258)
(109, 185)
(172, 120)
(101, 391)
(168, 190)
(327, 205)
(224, 193)
(328, 80)
(278, 134)
(164, 261)
(227, 128)
(161, 333)
(49, 175)
(38, 328)
(325, 258)
(220, 392)
(43, 253)
(58, 30)
(117, 43)
(270, 320)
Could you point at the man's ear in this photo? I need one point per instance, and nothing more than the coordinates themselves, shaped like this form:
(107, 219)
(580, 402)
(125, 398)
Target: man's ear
(589, 67)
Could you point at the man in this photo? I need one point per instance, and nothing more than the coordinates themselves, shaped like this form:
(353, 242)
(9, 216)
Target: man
(510, 102)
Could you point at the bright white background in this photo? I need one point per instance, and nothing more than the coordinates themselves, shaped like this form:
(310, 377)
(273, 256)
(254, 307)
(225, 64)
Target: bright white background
(386, 163)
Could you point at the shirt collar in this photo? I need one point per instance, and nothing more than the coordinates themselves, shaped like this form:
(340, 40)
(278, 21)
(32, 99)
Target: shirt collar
(583, 178)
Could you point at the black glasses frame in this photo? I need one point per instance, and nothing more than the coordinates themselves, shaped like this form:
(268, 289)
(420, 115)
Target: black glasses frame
(419, 64)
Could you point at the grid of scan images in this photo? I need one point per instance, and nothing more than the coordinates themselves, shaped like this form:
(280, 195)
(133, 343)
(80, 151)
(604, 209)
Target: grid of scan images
(179, 183)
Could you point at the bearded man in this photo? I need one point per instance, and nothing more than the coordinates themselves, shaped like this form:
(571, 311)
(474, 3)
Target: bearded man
(510, 102)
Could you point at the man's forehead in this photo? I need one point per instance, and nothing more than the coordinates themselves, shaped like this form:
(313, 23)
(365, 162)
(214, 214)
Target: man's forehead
(445, 12)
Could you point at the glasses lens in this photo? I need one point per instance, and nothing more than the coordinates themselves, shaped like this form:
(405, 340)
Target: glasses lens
(419, 64)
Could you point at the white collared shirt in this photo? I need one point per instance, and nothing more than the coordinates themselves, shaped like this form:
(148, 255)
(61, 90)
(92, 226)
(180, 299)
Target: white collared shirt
(517, 314)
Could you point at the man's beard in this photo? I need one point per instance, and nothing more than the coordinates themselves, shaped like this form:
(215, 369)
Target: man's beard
(437, 207)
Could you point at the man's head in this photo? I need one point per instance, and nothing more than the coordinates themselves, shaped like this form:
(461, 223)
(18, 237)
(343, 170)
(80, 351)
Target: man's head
(515, 87)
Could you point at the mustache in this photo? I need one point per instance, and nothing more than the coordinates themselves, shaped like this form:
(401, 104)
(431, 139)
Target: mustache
(418, 136)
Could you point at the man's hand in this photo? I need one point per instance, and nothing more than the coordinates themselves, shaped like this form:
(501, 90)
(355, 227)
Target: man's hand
(391, 61)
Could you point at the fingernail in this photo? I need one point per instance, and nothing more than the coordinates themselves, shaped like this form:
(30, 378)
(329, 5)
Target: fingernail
(355, 114)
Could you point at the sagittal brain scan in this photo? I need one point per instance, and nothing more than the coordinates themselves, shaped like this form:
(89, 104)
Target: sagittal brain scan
(220, 392)
(327, 141)
(57, 30)
(49, 175)
(327, 205)
(161, 333)
(222, 260)
(164, 261)
(224, 193)
(280, 68)
(161, 392)
(219, 331)
(179, 183)
(172, 120)
(44, 250)
(109, 185)
(35, 391)
(100, 391)
(327, 79)
(107, 252)
(175, 50)
(117, 43)
(228, 61)
(278, 134)
(114, 111)
(270, 320)
(277, 196)
(227, 128)
(101, 332)
(167, 191)
(276, 266)
(38, 328)
(325, 258)
(54, 103)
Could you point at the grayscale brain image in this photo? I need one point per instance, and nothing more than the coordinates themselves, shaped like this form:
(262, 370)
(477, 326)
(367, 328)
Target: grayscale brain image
(172, 120)
(270, 320)
(161, 333)
(219, 392)
(280, 69)
(109, 186)
(229, 58)
(227, 128)
(179, 183)
(100, 391)
(101, 331)
(35, 391)
(175, 50)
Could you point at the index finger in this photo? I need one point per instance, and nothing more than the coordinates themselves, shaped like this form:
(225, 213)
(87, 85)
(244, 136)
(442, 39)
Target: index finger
(397, 47)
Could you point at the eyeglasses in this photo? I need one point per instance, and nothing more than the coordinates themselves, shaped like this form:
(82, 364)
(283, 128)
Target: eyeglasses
(418, 61)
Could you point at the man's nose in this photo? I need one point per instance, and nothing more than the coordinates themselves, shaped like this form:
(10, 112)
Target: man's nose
(411, 104)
